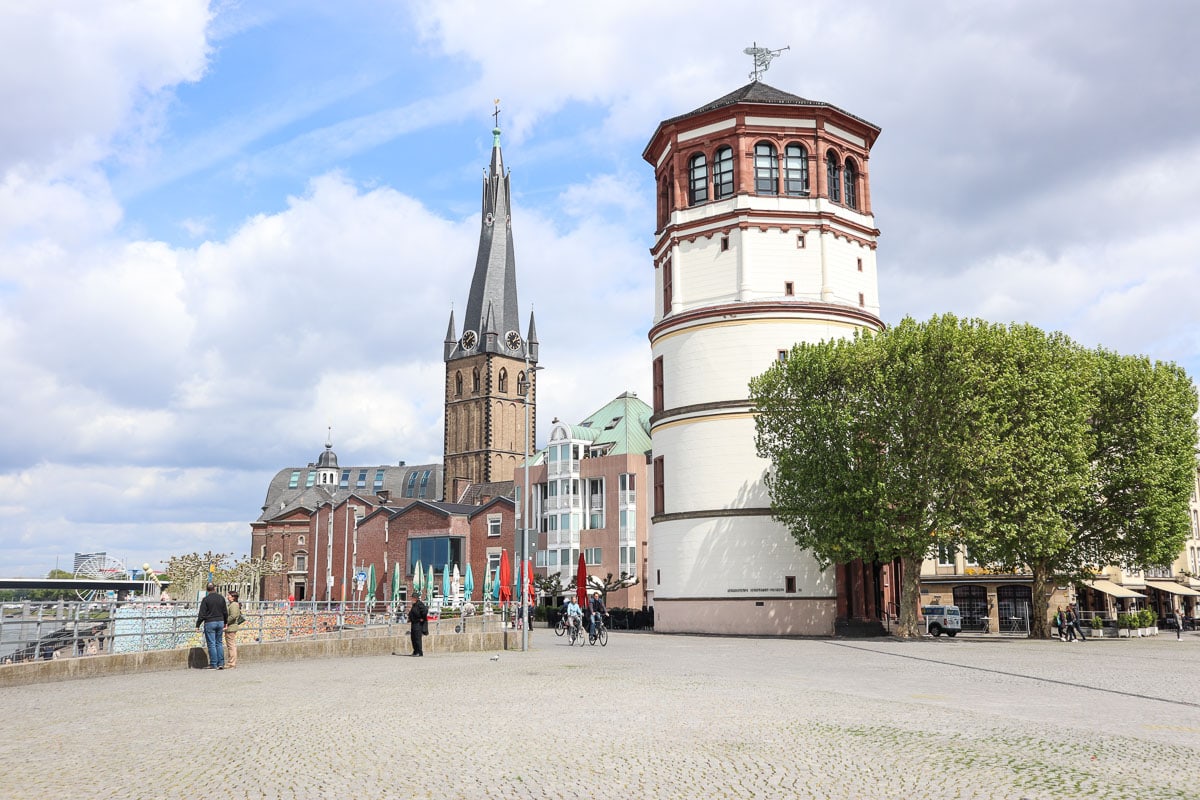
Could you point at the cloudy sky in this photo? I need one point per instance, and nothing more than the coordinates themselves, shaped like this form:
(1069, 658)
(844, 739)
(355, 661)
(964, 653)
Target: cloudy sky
(225, 226)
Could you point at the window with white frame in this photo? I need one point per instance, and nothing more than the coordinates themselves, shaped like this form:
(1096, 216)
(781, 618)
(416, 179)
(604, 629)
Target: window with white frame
(493, 525)
(628, 565)
(592, 556)
(945, 555)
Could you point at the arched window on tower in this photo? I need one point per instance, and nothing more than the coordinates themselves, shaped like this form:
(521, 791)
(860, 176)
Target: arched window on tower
(723, 173)
(795, 170)
(833, 174)
(697, 180)
(475, 380)
(502, 381)
(850, 179)
(458, 384)
(766, 169)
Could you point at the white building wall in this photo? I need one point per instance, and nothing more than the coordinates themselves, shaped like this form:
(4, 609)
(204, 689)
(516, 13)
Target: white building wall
(715, 360)
(712, 558)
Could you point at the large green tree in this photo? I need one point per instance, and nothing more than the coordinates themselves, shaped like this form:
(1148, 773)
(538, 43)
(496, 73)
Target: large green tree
(1037, 395)
(1092, 461)
(872, 444)
(1041, 455)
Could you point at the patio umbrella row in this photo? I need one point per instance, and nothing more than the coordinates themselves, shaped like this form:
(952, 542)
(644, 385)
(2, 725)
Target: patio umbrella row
(499, 586)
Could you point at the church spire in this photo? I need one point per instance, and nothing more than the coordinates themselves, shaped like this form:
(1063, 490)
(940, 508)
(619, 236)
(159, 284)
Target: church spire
(493, 297)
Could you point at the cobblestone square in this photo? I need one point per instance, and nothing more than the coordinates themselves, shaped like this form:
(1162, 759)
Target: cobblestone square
(649, 716)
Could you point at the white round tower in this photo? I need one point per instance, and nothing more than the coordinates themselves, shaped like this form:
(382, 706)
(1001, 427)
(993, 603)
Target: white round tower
(764, 238)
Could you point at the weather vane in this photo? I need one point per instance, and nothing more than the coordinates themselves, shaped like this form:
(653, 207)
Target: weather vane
(762, 58)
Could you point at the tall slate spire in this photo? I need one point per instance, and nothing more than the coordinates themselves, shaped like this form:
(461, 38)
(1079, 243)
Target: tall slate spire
(492, 303)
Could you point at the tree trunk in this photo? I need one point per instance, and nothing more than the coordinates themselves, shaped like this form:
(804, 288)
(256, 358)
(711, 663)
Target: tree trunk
(910, 596)
(1039, 626)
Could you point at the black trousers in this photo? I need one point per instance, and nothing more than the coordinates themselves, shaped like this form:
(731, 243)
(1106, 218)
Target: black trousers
(416, 640)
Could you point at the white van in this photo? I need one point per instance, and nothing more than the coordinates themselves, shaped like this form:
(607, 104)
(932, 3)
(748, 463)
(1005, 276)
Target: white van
(942, 619)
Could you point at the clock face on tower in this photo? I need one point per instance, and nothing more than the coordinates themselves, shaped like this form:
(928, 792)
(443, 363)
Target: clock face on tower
(513, 340)
(469, 340)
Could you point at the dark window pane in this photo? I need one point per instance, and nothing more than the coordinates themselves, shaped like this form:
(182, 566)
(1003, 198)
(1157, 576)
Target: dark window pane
(723, 174)
(766, 169)
(697, 180)
(795, 167)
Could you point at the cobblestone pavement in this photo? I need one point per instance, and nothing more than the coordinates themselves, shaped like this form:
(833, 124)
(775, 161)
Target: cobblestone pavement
(646, 717)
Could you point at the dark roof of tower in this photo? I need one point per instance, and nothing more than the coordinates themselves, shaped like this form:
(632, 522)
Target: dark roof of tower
(492, 303)
(327, 459)
(761, 93)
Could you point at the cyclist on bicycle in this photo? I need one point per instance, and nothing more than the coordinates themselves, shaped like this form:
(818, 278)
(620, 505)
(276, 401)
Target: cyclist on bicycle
(574, 614)
(598, 612)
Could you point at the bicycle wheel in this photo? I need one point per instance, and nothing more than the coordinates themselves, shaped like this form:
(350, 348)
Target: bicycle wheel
(560, 628)
(581, 636)
(591, 638)
(603, 635)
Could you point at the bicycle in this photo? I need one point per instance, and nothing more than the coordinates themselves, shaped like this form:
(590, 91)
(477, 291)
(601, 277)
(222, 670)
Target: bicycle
(600, 633)
(561, 627)
(575, 634)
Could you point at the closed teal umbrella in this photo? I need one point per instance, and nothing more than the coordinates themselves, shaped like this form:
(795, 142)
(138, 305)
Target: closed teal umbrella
(469, 582)
(446, 580)
(371, 584)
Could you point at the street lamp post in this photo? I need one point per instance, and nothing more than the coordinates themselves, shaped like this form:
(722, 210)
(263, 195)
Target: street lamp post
(523, 389)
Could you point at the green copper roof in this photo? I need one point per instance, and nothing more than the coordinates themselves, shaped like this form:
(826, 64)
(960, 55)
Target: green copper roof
(624, 423)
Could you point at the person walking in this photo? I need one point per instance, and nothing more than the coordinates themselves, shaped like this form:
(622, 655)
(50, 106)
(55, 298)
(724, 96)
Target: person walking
(418, 617)
(233, 624)
(1060, 620)
(1073, 622)
(212, 617)
(1179, 625)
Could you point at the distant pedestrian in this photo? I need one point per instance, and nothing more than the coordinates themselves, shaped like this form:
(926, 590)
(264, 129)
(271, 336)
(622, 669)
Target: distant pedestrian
(1060, 621)
(418, 622)
(212, 617)
(233, 624)
(1073, 623)
(1179, 625)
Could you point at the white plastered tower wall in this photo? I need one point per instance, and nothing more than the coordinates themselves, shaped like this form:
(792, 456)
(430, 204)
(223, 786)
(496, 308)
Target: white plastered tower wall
(740, 279)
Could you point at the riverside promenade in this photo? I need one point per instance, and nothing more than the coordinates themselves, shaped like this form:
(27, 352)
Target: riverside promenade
(649, 716)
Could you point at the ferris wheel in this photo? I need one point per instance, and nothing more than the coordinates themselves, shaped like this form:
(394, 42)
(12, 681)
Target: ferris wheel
(99, 568)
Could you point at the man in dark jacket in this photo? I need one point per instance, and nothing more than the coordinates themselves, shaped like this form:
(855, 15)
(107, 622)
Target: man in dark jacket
(417, 617)
(212, 617)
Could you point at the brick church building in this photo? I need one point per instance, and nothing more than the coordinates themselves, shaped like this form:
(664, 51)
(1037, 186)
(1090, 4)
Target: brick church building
(323, 525)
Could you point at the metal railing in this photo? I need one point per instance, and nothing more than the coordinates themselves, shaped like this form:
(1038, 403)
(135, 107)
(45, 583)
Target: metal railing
(38, 631)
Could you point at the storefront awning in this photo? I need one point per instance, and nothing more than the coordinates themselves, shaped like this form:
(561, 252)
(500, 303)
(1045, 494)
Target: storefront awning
(1110, 588)
(1173, 588)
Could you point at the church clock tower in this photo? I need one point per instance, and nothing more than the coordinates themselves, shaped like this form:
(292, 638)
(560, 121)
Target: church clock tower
(487, 364)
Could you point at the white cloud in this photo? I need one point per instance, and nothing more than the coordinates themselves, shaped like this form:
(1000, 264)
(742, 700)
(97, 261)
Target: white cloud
(75, 76)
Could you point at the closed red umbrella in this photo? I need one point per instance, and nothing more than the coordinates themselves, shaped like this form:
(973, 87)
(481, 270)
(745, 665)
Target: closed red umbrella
(505, 577)
(529, 597)
(581, 582)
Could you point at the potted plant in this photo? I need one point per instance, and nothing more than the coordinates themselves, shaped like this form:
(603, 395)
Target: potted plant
(1149, 622)
(1125, 625)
